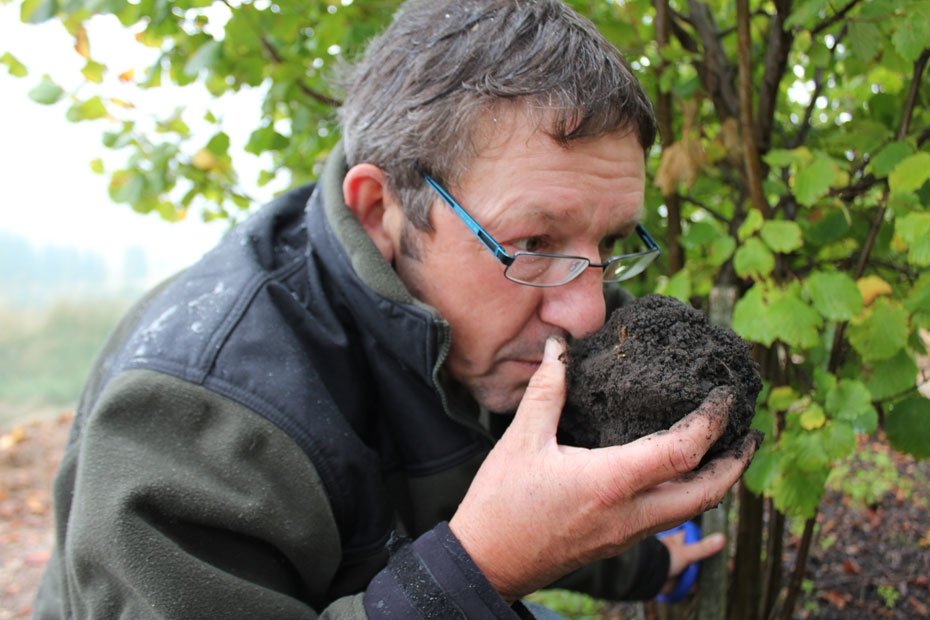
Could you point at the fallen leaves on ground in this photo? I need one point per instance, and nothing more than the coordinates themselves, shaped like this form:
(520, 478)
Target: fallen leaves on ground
(29, 455)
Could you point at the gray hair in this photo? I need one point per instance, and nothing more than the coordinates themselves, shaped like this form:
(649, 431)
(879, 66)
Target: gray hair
(416, 101)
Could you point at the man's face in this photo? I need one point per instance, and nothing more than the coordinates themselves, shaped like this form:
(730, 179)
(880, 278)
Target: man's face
(529, 193)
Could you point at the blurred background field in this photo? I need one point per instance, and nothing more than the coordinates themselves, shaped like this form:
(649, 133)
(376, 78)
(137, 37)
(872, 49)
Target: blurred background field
(46, 353)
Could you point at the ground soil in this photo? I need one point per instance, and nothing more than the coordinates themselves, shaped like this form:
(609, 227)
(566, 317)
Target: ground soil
(654, 361)
(872, 560)
(29, 456)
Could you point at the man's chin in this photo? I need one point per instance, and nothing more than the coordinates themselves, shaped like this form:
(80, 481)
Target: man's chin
(501, 400)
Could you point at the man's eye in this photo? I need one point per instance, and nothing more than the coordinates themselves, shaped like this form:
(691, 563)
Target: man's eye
(533, 244)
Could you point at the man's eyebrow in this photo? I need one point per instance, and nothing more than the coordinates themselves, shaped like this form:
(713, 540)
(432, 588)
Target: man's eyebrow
(557, 216)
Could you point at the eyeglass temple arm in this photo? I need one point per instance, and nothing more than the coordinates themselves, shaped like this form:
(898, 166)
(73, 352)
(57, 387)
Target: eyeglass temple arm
(647, 238)
(499, 252)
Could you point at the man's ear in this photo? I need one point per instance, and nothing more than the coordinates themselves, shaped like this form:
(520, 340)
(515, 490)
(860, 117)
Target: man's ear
(364, 189)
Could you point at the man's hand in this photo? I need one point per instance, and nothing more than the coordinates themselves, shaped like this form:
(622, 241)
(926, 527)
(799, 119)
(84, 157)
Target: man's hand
(682, 554)
(537, 510)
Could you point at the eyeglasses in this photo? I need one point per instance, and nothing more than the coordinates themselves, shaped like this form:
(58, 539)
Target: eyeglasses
(545, 269)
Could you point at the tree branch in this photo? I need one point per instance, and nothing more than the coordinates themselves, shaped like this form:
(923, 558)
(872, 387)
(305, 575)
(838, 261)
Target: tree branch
(775, 63)
(833, 18)
(797, 576)
(805, 126)
(714, 214)
(750, 148)
(717, 74)
(912, 93)
(676, 259)
(923, 137)
(836, 352)
(277, 59)
(683, 36)
(860, 187)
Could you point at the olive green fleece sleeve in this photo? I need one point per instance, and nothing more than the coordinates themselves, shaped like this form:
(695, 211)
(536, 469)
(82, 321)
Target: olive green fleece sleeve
(188, 505)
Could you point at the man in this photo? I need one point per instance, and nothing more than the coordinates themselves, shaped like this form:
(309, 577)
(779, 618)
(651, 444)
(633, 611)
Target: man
(266, 433)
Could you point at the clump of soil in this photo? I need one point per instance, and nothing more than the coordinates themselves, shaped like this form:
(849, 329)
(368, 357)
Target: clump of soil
(654, 362)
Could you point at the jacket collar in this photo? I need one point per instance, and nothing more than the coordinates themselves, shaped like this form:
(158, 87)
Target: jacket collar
(398, 309)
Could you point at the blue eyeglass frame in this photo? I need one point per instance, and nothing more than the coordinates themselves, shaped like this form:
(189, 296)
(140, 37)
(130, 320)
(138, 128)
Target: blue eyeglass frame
(507, 259)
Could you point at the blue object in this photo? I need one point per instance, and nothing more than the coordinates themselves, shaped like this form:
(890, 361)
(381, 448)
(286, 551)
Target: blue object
(688, 576)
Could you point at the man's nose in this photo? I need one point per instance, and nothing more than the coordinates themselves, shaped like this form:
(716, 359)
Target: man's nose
(577, 307)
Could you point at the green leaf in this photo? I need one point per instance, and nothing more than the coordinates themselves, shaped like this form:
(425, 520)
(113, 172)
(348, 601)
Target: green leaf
(204, 58)
(914, 229)
(828, 229)
(908, 426)
(721, 249)
(794, 322)
(750, 225)
(838, 439)
(813, 417)
(753, 260)
(88, 110)
(881, 333)
(889, 157)
(779, 158)
(37, 11)
(265, 139)
(865, 39)
(764, 420)
(851, 401)
(762, 472)
(824, 381)
(46, 92)
(806, 13)
(678, 286)
(219, 144)
(835, 295)
(797, 493)
(16, 68)
(910, 173)
(814, 180)
(751, 317)
(96, 165)
(699, 234)
(807, 449)
(93, 71)
(919, 298)
(910, 37)
(782, 397)
(126, 186)
(892, 376)
(782, 236)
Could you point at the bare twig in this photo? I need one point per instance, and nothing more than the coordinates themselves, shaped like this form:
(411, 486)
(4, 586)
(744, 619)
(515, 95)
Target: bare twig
(716, 72)
(683, 36)
(676, 259)
(833, 18)
(800, 564)
(316, 96)
(805, 126)
(750, 148)
(923, 137)
(912, 92)
(715, 214)
(780, 40)
(276, 58)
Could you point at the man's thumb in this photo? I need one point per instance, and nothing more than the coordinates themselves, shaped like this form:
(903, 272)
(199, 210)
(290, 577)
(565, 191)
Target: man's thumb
(538, 414)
